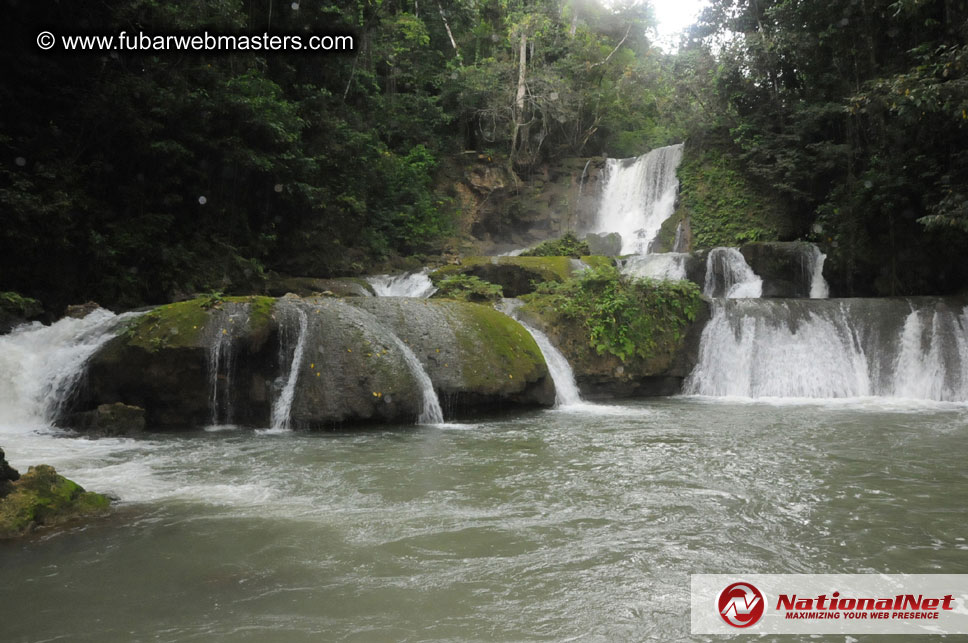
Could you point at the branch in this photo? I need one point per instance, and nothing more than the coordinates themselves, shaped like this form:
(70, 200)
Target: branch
(620, 43)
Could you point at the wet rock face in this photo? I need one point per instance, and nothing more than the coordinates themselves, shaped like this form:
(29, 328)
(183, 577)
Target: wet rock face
(605, 376)
(111, 420)
(339, 361)
(163, 364)
(476, 357)
(785, 268)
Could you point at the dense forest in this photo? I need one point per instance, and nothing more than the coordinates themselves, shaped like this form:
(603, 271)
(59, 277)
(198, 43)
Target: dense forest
(133, 177)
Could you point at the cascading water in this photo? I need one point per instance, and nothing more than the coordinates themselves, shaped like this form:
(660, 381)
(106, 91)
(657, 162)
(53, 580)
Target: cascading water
(728, 275)
(410, 284)
(639, 194)
(431, 413)
(814, 260)
(221, 359)
(293, 324)
(566, 388)
(668, 266)
(834, 349)
(41, 366)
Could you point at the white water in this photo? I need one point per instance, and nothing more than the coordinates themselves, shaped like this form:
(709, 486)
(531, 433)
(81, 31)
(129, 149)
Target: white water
(40, 366)
(840, 349)
(282, 406)
(667, 266)
(639, 194)
(818, 285)
(728, 275)
(410, 284)
(221, 359)
(566, 388)
(431, 413)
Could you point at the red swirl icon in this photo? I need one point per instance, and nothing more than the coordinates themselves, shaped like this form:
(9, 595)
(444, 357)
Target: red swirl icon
(741, 605)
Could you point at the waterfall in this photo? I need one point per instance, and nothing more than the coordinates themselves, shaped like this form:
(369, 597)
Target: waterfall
(221, 358)
(814, 260)
(639, 194)
(667, 266)
(566, 388)
(431, 412)
(728, 275)
(581, 183)
(41, 366)
(834, 349)
(290, 314)
(679, 244)
(410, 284)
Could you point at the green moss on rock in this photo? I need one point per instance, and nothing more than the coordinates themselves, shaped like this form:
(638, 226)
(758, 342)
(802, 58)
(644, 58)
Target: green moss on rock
(724, 206)
(172, 326)
(506, 351)
(41, 497)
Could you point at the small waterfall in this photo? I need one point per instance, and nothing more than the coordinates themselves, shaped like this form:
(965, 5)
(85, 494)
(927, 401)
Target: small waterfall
(728, 275)
(410, 284)
(221, 359)
(581, 182)
(41, 366)
(431, 413)
(667, 266)
(834, 349)
(679, 244)
(639, 194)
(292, 342)
(566, 388)
(814, 260)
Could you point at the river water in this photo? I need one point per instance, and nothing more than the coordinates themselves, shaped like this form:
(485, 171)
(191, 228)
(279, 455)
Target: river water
(554, 525)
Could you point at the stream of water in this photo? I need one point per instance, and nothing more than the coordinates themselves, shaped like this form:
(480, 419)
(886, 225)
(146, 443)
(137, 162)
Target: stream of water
(555, 525)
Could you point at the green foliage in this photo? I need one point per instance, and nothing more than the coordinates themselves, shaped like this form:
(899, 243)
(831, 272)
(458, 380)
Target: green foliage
(566, 246)
(17, 304)
(468, 288)
(723, 206)
(630, 319)
(855, 114)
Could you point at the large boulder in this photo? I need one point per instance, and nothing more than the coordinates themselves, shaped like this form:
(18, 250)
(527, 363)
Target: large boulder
(786, 268)
(239, 361)
(164, 363)
(602, 374)
(477, 357)
(42, 498)
(605, 244)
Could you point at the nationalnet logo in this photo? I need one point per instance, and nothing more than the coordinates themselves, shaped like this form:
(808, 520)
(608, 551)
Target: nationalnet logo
(830, 604)
(740, 605)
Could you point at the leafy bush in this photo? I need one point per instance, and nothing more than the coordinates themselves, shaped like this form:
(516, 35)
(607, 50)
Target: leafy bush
(567, 246)
(467, 288)
(624, 317)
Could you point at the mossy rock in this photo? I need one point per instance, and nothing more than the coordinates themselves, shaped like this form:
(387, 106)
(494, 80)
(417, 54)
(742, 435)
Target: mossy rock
(42, 498)
(721, 203)
(15, 309)
(476, 357)
(161, 364)
(515, 275)
(622, 337)
(309, 286)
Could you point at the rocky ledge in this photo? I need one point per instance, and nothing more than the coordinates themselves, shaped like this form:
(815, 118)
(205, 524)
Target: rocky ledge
(42, 498)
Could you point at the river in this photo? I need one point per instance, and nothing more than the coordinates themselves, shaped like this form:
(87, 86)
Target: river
(573, 524)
